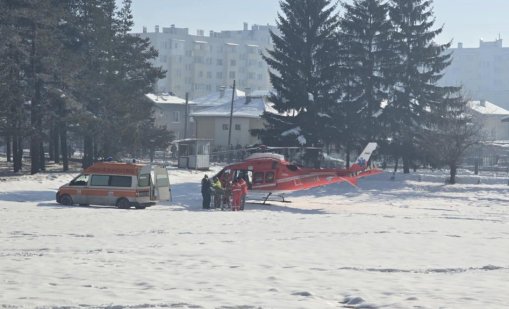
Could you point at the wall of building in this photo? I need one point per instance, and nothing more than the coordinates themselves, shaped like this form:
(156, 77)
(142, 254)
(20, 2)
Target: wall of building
(164, 115)
(217, 128)
(199, 64)
(483, 72)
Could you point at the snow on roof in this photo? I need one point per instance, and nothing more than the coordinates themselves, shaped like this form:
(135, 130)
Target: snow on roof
(253, 109)
(216, 99)
(260, 93)
(166, 99)
(266, 155)
(487, 108)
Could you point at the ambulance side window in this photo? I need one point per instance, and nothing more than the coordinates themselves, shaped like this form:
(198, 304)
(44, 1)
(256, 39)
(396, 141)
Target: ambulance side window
(121, 181)
(100, 180)
(144, 180)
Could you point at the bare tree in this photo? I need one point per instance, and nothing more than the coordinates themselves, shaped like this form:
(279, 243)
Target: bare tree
(446, 141)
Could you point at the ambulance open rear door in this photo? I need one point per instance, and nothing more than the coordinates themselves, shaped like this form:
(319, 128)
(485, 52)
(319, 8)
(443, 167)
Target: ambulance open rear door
(160, 184)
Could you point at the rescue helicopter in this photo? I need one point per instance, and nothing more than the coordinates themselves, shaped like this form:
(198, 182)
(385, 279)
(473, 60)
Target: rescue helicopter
(271, 173)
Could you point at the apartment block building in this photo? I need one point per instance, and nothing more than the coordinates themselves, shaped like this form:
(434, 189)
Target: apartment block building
(199, 64)
(483, 72)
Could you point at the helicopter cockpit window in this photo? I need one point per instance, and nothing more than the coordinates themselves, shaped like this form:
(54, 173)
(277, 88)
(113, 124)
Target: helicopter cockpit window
(257, 178)
(269, 177)
(292, 167)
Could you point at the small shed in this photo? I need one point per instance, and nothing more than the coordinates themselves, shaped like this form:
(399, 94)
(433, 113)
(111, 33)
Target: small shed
(193, 153)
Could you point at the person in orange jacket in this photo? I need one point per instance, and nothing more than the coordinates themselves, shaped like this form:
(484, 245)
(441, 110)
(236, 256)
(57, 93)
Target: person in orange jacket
(243, 185)
(236, 195)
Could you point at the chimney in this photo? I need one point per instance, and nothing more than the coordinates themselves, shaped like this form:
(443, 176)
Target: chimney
(221, 91)
(460, 45)
(157, 28)
(245, 26)
(248, 95)
(144, 29)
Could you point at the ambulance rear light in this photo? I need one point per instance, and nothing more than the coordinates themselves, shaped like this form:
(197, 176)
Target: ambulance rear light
(142, 193)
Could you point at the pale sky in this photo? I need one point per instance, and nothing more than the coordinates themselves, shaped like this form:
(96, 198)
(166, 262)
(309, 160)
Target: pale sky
(465, 21)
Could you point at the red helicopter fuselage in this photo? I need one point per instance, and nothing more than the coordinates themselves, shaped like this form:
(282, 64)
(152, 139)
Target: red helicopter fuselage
(271, 173)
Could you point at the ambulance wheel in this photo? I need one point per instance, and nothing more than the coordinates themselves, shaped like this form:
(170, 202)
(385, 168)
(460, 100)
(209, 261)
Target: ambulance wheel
(123, 203)
(66, 200)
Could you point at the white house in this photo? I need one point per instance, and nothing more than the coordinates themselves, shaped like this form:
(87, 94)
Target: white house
(214, 122)
(490, 117)
(170, 112)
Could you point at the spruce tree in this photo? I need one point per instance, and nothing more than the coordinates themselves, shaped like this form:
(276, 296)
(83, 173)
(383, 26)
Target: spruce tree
(367, 58)
(304, 64)
(421, 61)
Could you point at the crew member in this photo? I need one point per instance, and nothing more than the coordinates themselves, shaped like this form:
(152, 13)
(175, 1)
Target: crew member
(205, 192)
(236, 195)
(243, 185)
(218, 191)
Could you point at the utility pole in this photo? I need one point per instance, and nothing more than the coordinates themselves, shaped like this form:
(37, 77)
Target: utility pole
(186, 115)
(231, 122)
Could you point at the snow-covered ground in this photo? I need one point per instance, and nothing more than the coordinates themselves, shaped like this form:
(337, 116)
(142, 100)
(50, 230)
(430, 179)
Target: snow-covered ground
(409, 243)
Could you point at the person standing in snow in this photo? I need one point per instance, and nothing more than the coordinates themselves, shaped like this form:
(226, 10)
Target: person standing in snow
(227, 190)
(205, 192)
(218, 191)
(243, 186)
(236, 195)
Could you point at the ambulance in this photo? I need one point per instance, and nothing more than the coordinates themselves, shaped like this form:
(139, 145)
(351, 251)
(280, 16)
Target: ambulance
(124, 185)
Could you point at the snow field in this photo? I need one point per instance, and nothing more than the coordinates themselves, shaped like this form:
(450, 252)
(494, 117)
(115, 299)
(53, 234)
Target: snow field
(387, 244)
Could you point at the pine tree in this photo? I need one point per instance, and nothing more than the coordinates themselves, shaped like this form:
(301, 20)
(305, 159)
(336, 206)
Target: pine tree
(30, 53)
(13, 85)
(421, 63)
(367, 59)
(304, 65)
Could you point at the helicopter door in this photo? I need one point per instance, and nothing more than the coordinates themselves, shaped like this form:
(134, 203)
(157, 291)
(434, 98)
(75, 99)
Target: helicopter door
(264, 180)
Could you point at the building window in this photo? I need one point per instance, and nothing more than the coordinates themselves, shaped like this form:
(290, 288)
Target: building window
(219, 75)
(176, 117)
(219, 62)
(225, 127)
(232, 74)
(237, 127)
(233, 62)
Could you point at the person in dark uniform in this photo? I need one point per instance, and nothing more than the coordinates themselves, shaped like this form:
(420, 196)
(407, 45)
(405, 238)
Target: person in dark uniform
(205, 191)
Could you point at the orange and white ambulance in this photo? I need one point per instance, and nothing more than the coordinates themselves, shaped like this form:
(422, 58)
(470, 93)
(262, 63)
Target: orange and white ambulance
(118, 184)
